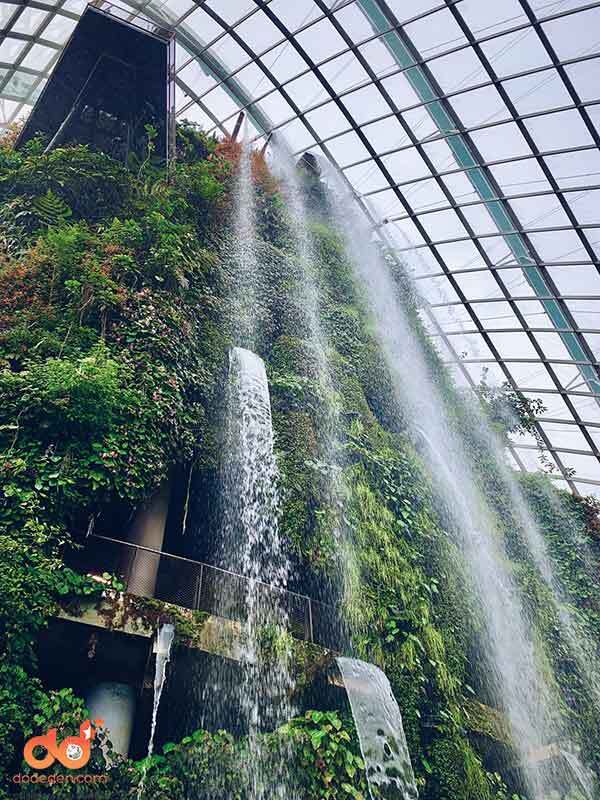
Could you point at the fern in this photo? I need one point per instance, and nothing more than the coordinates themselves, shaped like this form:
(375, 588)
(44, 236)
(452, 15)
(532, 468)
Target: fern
(51, 209)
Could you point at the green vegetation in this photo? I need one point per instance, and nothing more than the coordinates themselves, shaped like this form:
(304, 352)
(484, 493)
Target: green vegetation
(114, 331)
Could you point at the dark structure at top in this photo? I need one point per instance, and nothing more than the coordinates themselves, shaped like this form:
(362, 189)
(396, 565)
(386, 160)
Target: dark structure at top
(112, 80)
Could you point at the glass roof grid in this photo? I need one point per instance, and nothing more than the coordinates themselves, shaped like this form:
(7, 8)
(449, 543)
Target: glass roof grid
(454, 10)
(383, 6)
(340, 94)
(371, 38)
(30, 39)
(592, 103)
(451, 215)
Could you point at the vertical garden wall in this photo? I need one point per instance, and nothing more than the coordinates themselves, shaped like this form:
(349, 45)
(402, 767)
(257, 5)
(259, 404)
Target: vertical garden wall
(114, 331)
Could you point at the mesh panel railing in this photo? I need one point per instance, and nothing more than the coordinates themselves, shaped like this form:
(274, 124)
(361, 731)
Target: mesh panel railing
(192, 584)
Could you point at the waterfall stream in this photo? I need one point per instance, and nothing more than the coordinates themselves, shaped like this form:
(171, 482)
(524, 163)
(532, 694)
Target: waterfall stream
(379, 725)
(164, 641)
(251, 546)
(241, 253)
(329, 421)
(583, 649)
(517, 674)
(250, 542)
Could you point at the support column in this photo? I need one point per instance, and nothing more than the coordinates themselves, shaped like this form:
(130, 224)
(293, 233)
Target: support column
(148, 530)
(115, 704)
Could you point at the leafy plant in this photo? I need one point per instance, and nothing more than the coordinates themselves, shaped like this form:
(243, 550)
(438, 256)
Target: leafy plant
(51, 209)
(331, 766)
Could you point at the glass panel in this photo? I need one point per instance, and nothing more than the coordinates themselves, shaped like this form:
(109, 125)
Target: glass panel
(457, 70)
(576, 279)
(30, 20)
(285, 62)
(479, 106)
(544, 90)
(355, 23)
(478, 285)
(574, 35)
(20, 85)
(39, 57)
(555, 131)
(59, 29)
(321, 40)
(347, 148)
(386, 134)
(366, 104)
(431, 34)
(488, 17)
(203, 26)
(11, 49)
(233, 10)
(516, 52)
(344, 72)
(503, 141)
(586, 78)
(259, 32)
(294, 15)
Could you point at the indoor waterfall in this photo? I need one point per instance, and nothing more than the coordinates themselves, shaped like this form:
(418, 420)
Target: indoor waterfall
(164, 642)
(299, 400)
(582, 647)
(240, 252)
(249, 544)
(380, 730)
(330, 428)
(517, 672)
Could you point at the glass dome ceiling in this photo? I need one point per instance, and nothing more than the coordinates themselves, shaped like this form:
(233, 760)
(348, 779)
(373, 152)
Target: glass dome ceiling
(469, 132)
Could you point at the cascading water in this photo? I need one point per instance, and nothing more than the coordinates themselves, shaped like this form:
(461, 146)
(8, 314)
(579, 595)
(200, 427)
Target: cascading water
(329, 422)
(250, 546)
(309, 304)
(248, 536)
(583, 649)
(164, 641)
(240, 252)
(518, 680)
(380, 730)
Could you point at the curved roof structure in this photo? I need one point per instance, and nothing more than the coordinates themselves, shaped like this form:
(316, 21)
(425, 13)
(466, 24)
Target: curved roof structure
(469, 132)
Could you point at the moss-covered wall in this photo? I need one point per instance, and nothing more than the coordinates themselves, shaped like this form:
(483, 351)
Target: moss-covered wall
(114, 331)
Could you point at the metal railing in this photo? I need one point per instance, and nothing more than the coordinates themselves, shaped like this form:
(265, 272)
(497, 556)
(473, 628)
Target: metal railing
(195, 585)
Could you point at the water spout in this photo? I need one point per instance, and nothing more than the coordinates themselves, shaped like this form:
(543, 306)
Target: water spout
(379, 725)
(164, 641)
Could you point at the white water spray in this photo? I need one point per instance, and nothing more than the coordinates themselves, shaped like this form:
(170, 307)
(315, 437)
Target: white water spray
(240, 252)
(164, 641)
(521, 689)
(380, 730)
(583, 649)
(329, 423)
(251, 546)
